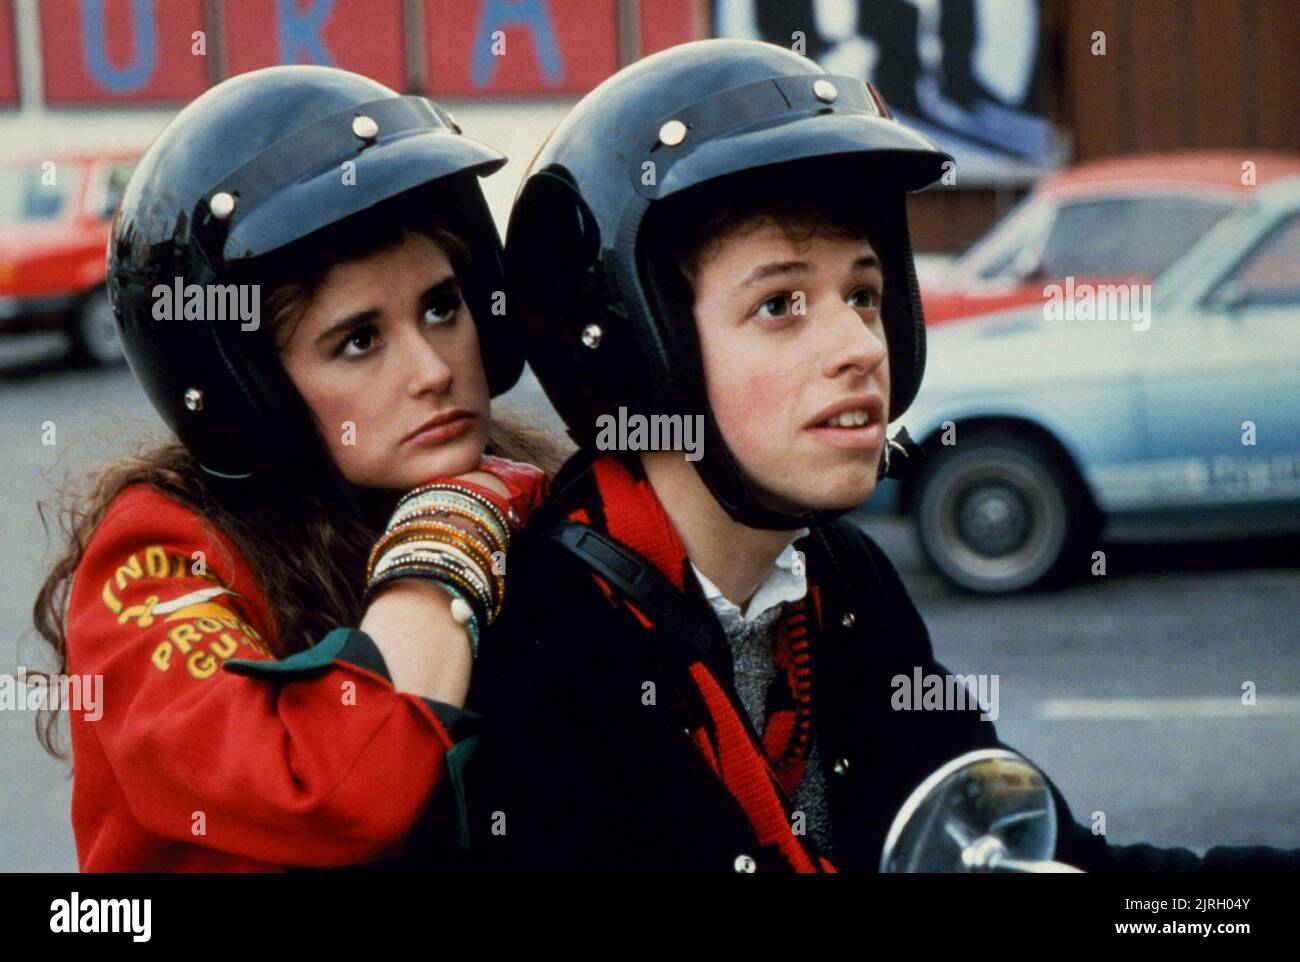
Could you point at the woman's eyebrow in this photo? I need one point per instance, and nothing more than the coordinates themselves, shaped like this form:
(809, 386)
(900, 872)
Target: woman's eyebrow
(347, 323)
(445, 286)
(449, 283)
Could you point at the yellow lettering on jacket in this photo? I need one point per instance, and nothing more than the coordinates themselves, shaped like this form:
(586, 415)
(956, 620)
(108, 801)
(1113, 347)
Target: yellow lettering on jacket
(131, 568)
(183, 636)
(155, 561)
(201, 664)
(143, 614)
(225, 647)
(110, 600)
(162, 656)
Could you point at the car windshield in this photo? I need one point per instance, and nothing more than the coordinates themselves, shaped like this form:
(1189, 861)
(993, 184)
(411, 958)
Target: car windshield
(1115, 237)
(30, 194)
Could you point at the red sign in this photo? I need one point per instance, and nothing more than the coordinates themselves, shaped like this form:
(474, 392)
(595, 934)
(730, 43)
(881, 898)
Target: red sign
(122, 50)
(8, 56)
(666, 23)
(365, 38)
(475, 47)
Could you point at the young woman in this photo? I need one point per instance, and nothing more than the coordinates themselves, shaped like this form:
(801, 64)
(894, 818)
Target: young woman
(283, 603)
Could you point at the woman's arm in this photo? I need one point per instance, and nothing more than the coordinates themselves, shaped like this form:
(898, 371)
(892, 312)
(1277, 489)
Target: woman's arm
(311, 760)
(427, 651)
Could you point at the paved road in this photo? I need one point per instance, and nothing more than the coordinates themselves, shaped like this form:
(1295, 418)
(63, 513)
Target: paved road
(1122, 688)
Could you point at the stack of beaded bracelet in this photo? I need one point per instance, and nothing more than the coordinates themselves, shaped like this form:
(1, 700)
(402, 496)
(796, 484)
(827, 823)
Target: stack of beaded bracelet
(450, 532)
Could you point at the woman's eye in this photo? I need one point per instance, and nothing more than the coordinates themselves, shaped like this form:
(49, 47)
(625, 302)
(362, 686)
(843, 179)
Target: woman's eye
(357, 343)
(865, 297)
(443, 310)
(776, 306)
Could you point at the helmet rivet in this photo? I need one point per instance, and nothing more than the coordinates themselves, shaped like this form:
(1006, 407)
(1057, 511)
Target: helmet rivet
(365, 127)
(222, 204)
(825, 91)
(672, 133)
(591, 335)
(194, 399)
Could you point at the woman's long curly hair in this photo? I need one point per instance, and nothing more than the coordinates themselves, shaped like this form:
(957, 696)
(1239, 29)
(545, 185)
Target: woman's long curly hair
(322, 588)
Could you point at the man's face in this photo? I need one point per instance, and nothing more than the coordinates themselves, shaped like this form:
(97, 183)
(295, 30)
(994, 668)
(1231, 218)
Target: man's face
(791, 331)
(386, 344)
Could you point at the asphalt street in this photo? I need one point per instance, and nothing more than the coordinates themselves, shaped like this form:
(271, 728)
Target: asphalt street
(1125, 689)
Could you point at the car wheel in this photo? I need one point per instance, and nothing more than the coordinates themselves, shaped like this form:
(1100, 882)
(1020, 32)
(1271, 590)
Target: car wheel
(95, 338)
(998, 513)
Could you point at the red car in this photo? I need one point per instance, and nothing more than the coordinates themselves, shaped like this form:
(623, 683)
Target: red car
(1121, 220)
(55, 216)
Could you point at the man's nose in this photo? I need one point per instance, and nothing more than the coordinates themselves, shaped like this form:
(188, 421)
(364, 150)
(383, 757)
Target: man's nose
(854, 341)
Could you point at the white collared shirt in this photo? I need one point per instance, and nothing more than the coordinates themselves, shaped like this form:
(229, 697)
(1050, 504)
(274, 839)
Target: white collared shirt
(782, 584)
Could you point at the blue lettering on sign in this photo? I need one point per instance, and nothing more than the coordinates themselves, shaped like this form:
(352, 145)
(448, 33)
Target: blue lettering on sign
(300, 32)
(134, 76)
(498, 14)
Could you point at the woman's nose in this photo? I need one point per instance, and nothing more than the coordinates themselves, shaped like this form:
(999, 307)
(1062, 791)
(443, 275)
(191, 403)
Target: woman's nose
(428, 370)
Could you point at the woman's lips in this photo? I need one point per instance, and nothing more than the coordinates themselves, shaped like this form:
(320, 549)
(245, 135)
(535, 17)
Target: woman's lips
(863, 436)
(442, 433)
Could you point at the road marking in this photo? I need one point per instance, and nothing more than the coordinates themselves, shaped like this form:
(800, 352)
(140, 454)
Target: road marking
(1155, 709)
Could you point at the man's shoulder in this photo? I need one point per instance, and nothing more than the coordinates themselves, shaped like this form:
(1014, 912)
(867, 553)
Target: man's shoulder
(852, 554)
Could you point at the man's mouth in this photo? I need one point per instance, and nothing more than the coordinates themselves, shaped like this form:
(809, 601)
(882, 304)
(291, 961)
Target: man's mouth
(847, 419)
(855, 422)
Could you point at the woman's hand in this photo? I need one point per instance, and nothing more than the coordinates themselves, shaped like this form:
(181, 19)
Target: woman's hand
(486, 479)
(427, 651)
(527, 486)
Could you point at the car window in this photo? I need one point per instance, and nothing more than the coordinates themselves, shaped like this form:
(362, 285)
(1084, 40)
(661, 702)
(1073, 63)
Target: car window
(994, 255)
(115, 183)
(1270, 274)
(1115, 237)
(27, 195)
(1003, 266)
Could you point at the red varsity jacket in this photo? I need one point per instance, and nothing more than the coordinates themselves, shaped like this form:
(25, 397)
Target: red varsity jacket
(206, 753)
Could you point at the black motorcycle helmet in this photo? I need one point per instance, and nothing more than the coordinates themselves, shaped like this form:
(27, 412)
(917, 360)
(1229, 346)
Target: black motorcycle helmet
(250, 167)
(604, 329)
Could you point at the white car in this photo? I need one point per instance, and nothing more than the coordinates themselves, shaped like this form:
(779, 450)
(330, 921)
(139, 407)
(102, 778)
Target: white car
(1173, 406)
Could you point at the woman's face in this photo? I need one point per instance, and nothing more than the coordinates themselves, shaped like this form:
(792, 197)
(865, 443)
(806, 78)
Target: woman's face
(386, 345)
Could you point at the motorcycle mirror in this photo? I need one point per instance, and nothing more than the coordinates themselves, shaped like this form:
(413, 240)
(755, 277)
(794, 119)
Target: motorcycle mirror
(985, 811)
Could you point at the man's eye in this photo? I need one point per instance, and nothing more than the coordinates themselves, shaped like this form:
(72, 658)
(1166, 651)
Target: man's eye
(865, 297)
(775, 306)
(357, 343)
(443, 310)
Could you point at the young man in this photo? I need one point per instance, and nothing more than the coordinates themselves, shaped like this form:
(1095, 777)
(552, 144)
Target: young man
(694, 669)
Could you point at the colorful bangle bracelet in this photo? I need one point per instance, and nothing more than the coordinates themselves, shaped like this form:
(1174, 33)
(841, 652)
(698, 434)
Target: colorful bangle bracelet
(459, 503)
(502, 514)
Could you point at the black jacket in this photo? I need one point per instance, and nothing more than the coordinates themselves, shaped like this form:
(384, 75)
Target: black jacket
(574, 771)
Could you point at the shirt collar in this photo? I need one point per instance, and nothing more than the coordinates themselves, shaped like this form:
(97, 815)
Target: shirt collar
(783, 583)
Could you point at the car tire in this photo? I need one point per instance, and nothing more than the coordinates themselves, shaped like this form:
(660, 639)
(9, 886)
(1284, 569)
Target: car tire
(95, 339)
(999, 512)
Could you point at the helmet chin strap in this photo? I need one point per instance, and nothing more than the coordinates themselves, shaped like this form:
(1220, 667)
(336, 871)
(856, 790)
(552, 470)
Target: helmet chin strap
(901, 458)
